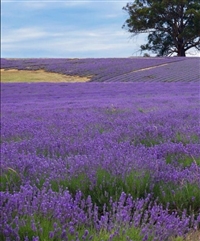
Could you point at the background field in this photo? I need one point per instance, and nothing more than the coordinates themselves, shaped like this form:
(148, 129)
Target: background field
(110, 70)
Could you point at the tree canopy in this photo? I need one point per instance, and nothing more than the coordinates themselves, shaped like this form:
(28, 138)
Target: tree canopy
(173, 26)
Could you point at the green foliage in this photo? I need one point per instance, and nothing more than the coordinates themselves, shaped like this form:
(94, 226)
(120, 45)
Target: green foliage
(77, 182)
(120, 234)
(9, 180)
(32, 226)
(116, 234)
(106, 186)
(149, 142)
(43, 225)
(184, 160)
(178, 239)
(173, 26)
(184, 138)
(137, 184)
(179, 197)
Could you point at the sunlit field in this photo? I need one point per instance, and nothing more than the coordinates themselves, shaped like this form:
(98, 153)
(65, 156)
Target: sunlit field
(114, 158)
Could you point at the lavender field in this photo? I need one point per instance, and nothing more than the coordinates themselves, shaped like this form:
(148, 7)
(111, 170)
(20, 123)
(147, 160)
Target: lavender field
(116, 69)
(116, 158)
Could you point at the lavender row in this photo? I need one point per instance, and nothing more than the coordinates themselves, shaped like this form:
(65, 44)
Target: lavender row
(113, 69)
(66, 147)
(122, 95)
(188, 70)
(64, 213)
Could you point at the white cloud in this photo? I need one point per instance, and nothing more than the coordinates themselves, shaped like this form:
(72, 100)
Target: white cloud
(110, 8)
(22, 34)
(71, 43)
(111, 15)
(76, 3)
(34, 5)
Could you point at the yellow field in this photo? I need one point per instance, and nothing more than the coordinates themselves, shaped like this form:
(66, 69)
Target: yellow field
(14, 75)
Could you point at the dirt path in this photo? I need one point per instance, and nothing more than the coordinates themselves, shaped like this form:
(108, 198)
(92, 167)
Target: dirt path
(147, 68)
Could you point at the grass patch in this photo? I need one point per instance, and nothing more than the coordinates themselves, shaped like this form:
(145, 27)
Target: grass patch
(10, 180)
(46, 229)
(149, 142)
(78, 182)
(184, 161)
(180, 197)
(38, 226)
(183, 138)
(106, 186)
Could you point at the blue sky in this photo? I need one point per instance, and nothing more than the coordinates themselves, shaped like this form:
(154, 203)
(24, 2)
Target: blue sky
(66, 29)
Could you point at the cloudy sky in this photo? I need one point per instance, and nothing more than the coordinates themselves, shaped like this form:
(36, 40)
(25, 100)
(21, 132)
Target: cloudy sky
(66, 29)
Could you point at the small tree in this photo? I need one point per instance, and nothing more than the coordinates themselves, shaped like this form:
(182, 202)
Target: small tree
(173, 26)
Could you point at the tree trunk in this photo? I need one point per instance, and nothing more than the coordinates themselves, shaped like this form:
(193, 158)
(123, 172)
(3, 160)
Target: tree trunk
(181, 49)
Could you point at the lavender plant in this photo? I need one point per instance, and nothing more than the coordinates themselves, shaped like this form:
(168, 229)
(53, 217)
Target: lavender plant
(99, 161)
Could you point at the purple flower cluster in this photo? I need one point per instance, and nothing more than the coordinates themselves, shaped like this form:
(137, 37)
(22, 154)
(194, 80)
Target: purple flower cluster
(64, 214)
(116, 69)
(53, 134)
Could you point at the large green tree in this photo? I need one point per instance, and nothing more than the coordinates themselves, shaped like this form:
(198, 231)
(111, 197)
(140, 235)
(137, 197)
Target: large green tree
(173, 26)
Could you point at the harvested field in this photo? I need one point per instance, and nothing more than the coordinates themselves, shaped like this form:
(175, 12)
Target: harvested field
(33, 76)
